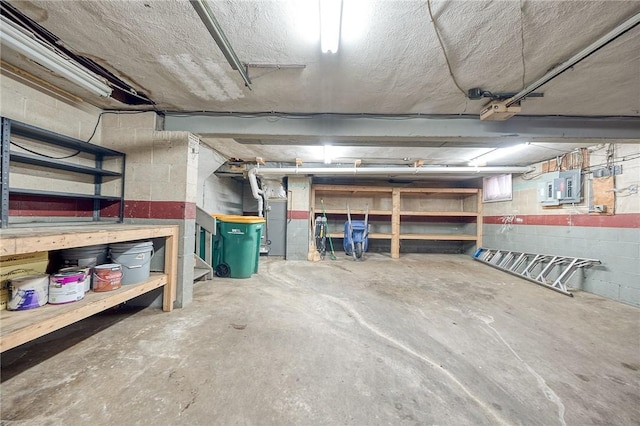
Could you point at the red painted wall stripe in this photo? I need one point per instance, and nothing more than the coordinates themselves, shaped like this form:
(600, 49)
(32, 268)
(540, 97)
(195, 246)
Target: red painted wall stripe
(61, 207)
(625, 220)
(298, 214)
(159, 210)
(51, 207)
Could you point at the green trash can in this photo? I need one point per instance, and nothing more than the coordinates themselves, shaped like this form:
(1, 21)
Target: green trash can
(241, 244)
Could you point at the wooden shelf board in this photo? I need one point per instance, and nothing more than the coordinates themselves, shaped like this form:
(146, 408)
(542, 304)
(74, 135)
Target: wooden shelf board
(350, 188)
(359, 212)
(444, 214)
(18, 327)
(35, 239)
(447, 237)
(453, 191)
(373, 235)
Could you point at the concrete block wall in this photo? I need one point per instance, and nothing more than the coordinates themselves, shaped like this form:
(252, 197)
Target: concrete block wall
(298, 224)
(523, 225)
(69, 117)
(216, 194)
(161, 173)
(161, 181)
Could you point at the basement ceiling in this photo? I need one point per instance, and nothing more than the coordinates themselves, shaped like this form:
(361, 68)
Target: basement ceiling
(390, 64)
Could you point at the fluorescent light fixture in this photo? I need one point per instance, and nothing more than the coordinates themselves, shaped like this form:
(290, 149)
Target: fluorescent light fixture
(15, 38)
(330, 23)
(496, 154)
(328, 151)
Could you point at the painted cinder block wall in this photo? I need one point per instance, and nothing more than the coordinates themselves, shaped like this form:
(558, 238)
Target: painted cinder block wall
(161, 180)
(60, 114)
(298, 224)
(161, 169)
(216, 194)
(65, 115)
(524, 225)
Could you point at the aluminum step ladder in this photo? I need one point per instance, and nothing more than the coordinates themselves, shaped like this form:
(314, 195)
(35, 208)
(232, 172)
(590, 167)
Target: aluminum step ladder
(545, 269)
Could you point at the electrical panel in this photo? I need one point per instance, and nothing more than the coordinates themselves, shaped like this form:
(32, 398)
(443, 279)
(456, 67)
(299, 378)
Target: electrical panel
(558, 188)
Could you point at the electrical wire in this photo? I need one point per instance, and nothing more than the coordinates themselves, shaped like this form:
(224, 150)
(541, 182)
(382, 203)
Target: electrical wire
(552, 149)
(444, 51)
(93, 133)
(292, 115)
(614, 162)
(44, 155)
(95, 128)
(303, 116)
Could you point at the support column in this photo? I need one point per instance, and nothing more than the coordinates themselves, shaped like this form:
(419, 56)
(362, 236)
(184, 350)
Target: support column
(162, 177)
(298, 224)
(395, 223)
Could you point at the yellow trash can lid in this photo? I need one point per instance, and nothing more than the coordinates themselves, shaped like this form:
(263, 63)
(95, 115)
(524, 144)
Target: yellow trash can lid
(243, 219)
(233, 218)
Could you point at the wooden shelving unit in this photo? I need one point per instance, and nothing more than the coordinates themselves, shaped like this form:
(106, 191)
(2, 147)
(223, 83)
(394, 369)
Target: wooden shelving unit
(394, 207)
(18, 327)
(335, 196)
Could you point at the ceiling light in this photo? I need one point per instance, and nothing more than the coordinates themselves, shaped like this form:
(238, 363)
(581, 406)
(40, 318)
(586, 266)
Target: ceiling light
(328, 150)
(497, 153)
(330, 23)
(17, 39)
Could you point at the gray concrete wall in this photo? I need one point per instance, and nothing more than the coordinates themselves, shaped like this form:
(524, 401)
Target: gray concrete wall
(216, 194)
(65, 115)
(298, 237)
(571, 230)
(161, 173)
(186, 244)
(298, 225)
(618, 249)
(60, 114)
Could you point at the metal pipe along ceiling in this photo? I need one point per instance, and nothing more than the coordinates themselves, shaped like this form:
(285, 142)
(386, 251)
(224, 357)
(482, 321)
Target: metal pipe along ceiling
(384, 171)
(368, 171)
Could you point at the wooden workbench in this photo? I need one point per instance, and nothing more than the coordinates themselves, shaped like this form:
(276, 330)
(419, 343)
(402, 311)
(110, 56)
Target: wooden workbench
(18, 327)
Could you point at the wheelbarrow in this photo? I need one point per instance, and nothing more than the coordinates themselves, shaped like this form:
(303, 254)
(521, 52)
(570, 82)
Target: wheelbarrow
(356, 235)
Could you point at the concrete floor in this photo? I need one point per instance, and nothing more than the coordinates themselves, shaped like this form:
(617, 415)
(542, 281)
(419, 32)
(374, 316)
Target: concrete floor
(428, 339)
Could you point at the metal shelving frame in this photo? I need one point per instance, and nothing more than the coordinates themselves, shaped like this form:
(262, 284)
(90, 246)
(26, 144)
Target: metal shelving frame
(46, 137)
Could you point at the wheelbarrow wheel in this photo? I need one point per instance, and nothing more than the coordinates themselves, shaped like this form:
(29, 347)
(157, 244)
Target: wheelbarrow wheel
(358, 249)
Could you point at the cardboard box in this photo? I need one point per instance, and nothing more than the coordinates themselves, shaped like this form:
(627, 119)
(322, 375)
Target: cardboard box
(18, 266)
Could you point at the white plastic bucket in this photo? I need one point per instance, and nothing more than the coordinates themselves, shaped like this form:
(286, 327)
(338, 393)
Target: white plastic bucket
(28, 292)
(135, 258)
(68, 286)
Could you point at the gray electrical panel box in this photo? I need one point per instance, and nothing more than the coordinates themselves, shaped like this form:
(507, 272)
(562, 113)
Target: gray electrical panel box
(558, 188)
